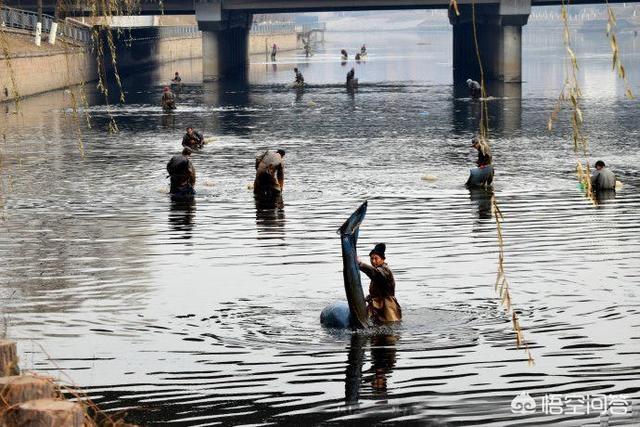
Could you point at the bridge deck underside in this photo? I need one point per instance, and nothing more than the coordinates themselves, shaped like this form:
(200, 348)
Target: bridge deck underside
(186, 7)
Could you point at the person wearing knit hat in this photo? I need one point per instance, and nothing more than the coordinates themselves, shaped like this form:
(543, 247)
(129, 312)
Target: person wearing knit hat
(382, 305)
(168, 99)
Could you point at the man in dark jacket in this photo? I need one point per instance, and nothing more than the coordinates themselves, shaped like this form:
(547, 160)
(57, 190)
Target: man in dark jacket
(351, 78)
(192, 139)
(182, 174)
(299, 78)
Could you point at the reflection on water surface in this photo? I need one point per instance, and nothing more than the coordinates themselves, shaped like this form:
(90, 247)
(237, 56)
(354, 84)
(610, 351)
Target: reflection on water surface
(208, 311)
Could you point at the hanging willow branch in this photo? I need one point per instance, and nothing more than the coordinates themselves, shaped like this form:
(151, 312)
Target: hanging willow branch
(4, 48)
(613, 42)
(502, 284)
(571, 95)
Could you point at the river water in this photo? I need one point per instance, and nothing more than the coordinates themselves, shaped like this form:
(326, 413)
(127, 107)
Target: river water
(209, 313)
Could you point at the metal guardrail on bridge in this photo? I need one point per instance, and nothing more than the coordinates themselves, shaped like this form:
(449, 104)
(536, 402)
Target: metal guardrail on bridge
(271, 28)
(305, 28)
(24, 20)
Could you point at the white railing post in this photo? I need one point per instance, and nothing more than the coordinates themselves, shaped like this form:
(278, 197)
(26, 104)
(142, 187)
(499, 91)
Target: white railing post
(52, 34)
(38, 33)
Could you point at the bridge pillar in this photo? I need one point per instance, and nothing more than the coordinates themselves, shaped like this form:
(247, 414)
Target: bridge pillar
(225, 41)
(498, 30)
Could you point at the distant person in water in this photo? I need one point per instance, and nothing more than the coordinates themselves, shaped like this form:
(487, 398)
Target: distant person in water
(602, 178)
(269, 181)
(358, 57)
(192, 139)
(344, 54)
(182, 174)
(363, 50)
(274, 51)
(484, 152)
(168, 99)
(475, 90)
(483, 175)
(299, 77)
(351, 77)
(177, 78)
(382, 305)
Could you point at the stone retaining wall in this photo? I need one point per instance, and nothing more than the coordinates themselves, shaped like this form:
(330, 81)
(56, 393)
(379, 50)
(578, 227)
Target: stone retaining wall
(36, 71)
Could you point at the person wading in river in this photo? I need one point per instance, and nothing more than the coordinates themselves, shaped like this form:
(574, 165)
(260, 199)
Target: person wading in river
(484, 152)
(351, 81)
(475, 90)
(182, 174)
(192, 139)
(269, 181)
(168, 99)
(299, 79)
(382, 305)
(602, 178)
(483, 175)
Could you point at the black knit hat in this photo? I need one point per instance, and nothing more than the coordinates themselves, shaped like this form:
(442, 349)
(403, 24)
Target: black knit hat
(379, 250)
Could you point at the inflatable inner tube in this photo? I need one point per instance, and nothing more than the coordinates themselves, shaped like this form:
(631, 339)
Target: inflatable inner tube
(480, 177)
(336, 315)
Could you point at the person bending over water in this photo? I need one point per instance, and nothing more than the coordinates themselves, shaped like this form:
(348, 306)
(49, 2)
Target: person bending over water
(475, 90)
(382, 305)
(269, 181)
(484, 152)
(182, 174)
(176, 79)
(602, 178)
(192, 139)
(483, 175)
(299, 77)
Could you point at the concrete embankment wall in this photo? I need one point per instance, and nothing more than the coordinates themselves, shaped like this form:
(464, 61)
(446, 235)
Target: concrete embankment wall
(32, 70)
(150, 51)
(259, 42)
(146, 50)
(44, 69)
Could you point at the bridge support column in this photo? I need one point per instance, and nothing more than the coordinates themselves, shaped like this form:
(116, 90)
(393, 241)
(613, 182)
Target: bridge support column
(225, 41)
(498, 31)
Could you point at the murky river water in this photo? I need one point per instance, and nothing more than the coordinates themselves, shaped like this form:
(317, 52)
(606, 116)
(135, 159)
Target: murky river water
(209, 313)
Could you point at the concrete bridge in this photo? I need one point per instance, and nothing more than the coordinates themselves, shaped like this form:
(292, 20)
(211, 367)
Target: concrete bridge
(225, 28)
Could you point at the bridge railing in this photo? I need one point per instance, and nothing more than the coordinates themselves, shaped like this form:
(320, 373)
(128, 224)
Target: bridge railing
(305, 28)
(273, 27)
(18, 19)
(178, 31)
